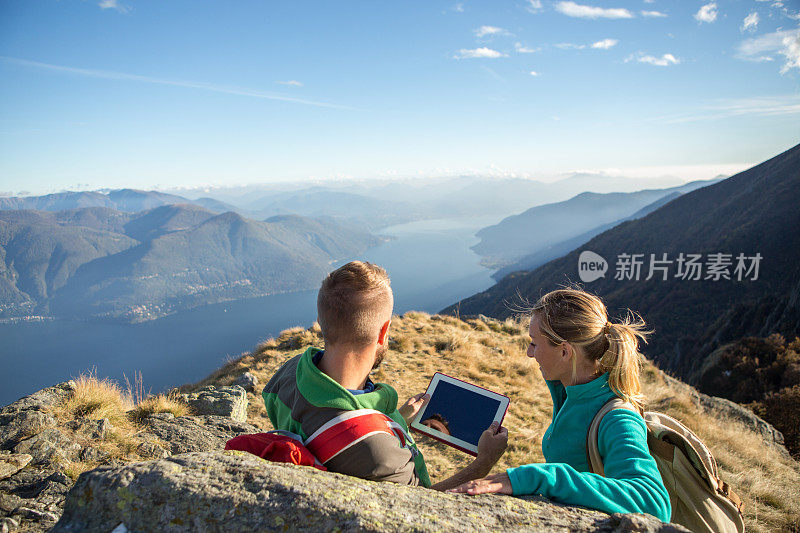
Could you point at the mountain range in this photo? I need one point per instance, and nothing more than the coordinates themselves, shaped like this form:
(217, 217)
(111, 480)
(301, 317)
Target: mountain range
(751, 218)
(100, 262)
(542, 233)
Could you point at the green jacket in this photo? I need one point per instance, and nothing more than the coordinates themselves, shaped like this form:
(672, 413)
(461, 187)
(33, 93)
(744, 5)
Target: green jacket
(631, 484)
(300, 398)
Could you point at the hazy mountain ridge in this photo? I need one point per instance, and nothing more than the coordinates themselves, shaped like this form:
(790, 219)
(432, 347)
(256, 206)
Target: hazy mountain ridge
(103, 263)
(752, 212)
(376, 203)
(587, 214)
(539, 258)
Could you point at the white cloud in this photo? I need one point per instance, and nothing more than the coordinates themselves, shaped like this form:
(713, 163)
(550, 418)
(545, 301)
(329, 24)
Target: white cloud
(477, 53)
(707, 13)
(292, 83)
(571, 9)
(113, 4)
(525, 49)
(605, 44)
(570, 46)
(785, 43)
(534, 6)
(750, 22)
(791, 50)
(534, 73)
(663, 61)
(121, 76)
(483, 31)
(653, 14)
(458, 8)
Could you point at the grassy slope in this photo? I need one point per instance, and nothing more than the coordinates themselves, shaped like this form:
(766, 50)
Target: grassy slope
(491, 353)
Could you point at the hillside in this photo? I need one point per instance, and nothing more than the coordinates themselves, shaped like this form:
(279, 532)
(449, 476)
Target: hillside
(753, 212)
(545, 226)
(103, 263)
(52, 436)
(491, 353)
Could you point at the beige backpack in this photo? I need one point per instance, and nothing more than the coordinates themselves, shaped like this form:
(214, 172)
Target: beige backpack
(700, 500)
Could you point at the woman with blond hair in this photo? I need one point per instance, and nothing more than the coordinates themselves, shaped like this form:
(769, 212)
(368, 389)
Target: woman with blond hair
(587, 360)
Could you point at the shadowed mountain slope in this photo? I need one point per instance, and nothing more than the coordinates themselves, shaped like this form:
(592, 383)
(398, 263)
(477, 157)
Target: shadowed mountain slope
(753, 212)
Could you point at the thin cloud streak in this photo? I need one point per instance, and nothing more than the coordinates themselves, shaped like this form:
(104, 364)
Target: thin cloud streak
(121, 76)
(764, 107)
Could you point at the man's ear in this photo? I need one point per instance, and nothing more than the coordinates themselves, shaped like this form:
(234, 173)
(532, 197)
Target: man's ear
(383, 335)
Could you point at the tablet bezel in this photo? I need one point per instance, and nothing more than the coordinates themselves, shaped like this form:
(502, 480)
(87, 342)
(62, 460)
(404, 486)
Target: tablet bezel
(459, 444)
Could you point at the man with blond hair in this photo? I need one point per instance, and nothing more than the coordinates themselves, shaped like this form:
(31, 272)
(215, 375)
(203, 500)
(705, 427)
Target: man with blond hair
(326, 399)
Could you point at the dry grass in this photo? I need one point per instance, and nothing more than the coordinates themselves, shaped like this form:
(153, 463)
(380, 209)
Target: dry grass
(491, 353)
(161, 403)
(95, 399)
(98, 399)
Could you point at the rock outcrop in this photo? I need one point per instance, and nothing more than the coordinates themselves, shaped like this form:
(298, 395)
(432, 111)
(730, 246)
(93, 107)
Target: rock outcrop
(234, 491)
(36, 451)
(219, 401)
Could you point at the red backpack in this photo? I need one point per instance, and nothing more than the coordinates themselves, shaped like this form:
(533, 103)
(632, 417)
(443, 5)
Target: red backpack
(334, 437)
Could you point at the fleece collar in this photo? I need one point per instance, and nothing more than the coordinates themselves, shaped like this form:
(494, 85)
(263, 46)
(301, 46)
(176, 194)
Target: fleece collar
(321, 391)
(595, 388)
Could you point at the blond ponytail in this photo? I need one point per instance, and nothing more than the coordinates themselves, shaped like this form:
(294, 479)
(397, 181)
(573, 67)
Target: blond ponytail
(622, 359)
(581, 319)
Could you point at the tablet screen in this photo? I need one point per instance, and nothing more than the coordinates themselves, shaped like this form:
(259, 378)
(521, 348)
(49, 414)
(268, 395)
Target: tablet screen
(459, 412)
(462, 413)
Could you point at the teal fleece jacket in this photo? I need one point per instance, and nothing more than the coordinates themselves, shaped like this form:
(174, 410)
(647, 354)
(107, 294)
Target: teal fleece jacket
(631, 484)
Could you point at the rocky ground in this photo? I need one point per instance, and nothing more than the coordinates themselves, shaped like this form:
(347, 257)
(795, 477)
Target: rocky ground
(37, 449)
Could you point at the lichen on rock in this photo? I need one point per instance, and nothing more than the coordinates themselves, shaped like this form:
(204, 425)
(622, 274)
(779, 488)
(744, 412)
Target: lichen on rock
(214, 491)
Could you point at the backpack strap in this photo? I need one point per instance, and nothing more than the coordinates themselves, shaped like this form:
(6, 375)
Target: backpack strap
(350, 428)
(592, 449)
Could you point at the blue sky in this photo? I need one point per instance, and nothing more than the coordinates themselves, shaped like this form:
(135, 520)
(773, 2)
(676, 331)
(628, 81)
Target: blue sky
(180, 93)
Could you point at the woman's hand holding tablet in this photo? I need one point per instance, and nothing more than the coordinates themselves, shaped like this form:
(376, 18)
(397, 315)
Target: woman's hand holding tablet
(458, 413)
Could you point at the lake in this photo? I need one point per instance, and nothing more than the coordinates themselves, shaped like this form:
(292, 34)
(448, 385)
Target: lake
(429, 262)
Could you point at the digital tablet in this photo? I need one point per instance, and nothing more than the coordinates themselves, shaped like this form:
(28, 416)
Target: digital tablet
(459, 412)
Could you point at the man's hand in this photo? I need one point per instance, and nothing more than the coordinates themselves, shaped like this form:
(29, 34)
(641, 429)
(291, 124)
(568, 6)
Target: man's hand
(499, 482)
(410, 409)
(491, 447)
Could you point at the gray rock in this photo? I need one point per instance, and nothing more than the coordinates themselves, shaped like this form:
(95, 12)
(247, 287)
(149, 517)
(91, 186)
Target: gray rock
(247, 381)
(20, 425)
(220, 401)
(152, 449)
(90, 454)
(41, 400)
(11, 463)
(36, 514)
(49, 446)
(218, 491)
(90, 429)
(195, 433)
(8, 525)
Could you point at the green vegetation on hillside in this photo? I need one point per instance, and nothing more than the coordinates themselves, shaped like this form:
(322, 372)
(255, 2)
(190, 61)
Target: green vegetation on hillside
(102, 263)
(764, 373)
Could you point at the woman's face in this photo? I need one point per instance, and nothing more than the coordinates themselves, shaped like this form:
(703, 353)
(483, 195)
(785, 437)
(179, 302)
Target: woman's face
(553, 364)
